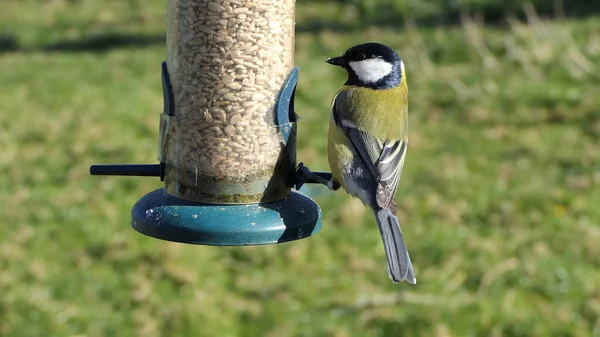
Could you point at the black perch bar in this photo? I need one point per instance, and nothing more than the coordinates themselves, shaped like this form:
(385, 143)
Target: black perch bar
(154, 170)
(140, 170)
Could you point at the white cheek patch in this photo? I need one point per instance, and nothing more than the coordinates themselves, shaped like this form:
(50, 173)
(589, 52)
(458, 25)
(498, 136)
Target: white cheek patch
(371, 70)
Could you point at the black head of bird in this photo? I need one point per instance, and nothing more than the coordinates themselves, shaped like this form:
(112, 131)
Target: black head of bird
(371, 65)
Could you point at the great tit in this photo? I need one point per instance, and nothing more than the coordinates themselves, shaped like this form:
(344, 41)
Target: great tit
(368, 138)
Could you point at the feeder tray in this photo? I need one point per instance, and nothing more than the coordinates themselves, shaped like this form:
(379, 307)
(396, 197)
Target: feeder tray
(163, 216)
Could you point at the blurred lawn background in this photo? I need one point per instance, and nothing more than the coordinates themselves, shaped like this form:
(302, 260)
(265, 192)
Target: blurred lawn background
(499, 197)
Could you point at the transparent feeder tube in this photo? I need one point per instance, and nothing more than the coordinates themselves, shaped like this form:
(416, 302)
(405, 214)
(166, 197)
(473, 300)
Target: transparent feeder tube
(227, 61)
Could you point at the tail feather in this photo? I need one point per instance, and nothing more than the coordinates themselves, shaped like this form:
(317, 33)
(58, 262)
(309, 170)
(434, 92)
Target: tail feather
(399, 265)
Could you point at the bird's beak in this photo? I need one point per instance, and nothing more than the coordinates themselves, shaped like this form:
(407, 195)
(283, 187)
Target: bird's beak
(336, 61)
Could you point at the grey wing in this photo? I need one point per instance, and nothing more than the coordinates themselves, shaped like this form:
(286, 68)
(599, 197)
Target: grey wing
(389, 166)
(383, 159)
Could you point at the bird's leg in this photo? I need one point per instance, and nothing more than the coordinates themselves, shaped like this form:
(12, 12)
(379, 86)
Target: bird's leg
(307, 175)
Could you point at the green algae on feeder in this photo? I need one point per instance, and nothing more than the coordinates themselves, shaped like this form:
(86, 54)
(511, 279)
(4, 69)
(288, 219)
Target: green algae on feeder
(227, 142)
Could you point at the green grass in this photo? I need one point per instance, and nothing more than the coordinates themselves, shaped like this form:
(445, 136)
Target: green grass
(498, 199)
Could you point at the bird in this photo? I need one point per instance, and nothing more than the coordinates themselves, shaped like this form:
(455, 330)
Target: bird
(368, 140)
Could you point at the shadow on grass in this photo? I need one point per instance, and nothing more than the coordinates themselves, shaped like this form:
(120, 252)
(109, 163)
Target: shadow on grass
(8, 43)
(97, 43)
(391, 21)
(106, 42)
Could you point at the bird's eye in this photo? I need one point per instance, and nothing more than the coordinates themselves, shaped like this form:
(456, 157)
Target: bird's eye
(361, 56)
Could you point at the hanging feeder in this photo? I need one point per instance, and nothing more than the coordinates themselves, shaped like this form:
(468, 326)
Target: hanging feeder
(227, 143)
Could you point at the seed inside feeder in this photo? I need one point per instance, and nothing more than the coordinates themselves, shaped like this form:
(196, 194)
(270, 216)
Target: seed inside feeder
(227, 62)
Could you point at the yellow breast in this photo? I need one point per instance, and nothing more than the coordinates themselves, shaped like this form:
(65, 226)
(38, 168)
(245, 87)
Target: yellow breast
(380, 112)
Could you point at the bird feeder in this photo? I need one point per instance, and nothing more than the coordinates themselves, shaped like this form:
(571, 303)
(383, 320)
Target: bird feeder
(227, 143)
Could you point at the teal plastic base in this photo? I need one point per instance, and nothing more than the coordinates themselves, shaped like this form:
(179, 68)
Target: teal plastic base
(162, 216)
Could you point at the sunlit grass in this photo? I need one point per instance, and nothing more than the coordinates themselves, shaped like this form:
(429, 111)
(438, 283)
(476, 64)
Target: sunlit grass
(498, 197)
